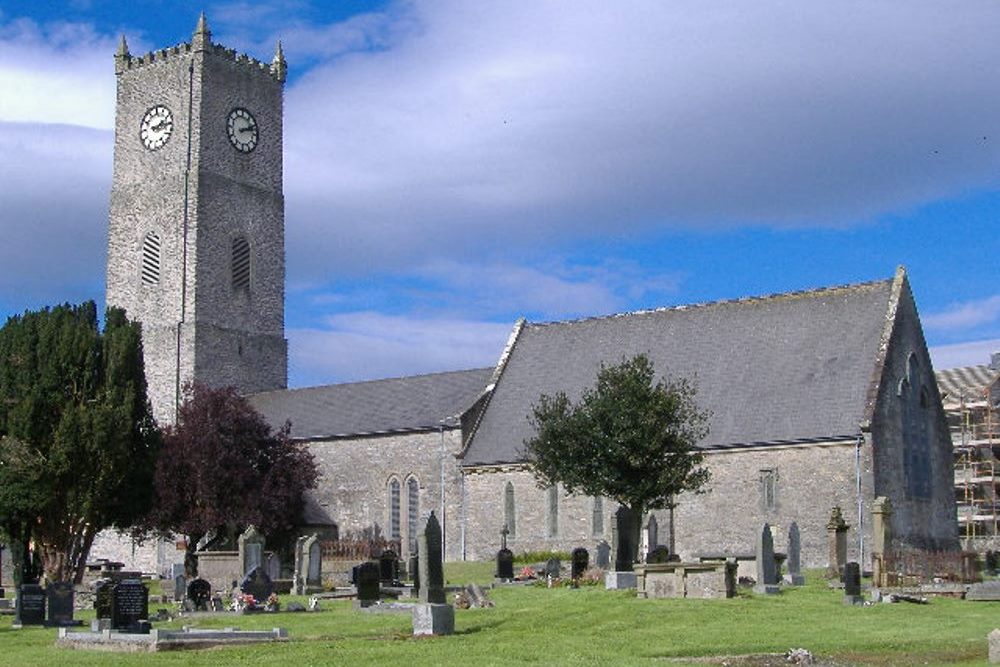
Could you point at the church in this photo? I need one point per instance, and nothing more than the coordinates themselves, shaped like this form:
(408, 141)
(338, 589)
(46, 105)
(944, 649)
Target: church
(818, 399)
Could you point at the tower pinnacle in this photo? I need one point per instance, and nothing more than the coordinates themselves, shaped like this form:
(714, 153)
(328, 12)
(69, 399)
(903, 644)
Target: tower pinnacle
(122, 55)
(279, 68)
(202, 35)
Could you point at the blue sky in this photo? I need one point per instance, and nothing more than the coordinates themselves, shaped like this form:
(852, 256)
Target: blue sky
(451, 166)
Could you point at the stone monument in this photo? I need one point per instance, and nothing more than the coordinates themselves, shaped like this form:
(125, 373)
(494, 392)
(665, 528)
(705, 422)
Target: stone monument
(767, 570)
(794, 559)
(836, 531)
(881, 539)
(505, 558)
(432, 615)
(251, 548)
(852, 584)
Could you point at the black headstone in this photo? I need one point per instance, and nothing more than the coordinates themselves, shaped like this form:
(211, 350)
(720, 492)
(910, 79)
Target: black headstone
(102, 598)
(59, 598)
(415, 573)
(258, 584)
(129, 605)
(388, 565)
(603, 558)
(368, 581)
(580, 561)
(30, 606)
(852, 579)
(553, 567)
(626, 528)
(505, 564)
(199, 591)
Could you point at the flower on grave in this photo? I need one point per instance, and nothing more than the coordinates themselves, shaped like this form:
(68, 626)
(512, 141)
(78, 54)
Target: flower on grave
(272, 600)
(243, 601)
(526, 573)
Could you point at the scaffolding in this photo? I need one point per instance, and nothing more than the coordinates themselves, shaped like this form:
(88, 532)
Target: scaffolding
(975, 430)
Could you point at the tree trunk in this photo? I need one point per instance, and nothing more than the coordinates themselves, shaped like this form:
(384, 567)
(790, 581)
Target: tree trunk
(190, 557)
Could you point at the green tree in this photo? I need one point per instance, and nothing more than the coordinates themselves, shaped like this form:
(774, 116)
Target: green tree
(78, 444)
(629, 438)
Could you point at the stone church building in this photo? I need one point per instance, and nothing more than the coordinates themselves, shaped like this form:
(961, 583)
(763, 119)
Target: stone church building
(818, 398)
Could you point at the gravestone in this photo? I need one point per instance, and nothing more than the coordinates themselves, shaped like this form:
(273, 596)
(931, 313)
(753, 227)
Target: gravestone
(650, 535)
(102, 598)
(553, 567)
(180, 587)
(199, 591)
(59, 600)
(258, 584)
(415, 573)
(579, 562)
(993, 643)
(251, 548)
(176, 569)
(272, 564)
(388, 567)
(836, 531)
(881, 539)
(602, 555)
(367, 575)
(794, 558)
(767, 571)
(30, 607)
(432, 616)
(852, 584)
(314, 562)
(625, 532)
(130, 606)
(299, 571)
(505, 564)
(660, 554)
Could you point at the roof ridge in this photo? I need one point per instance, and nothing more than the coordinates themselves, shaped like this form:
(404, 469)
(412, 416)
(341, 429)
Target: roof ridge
(372, 381)
(815, 291)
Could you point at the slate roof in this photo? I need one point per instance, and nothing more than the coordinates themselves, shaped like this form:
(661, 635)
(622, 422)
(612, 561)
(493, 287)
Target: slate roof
(414, 403)
(970, 382)
(793, 367)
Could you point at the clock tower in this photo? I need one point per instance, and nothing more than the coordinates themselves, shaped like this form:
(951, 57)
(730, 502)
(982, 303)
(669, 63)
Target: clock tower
(196, 242)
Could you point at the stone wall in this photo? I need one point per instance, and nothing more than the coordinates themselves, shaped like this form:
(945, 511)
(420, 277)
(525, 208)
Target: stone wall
(810, 480)
(355, 474)
(153, 556)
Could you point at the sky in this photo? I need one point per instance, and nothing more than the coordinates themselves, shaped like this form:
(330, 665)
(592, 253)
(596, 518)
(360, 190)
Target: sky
(451, 166)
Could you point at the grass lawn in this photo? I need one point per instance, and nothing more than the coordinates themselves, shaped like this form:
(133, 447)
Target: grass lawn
(587, 626)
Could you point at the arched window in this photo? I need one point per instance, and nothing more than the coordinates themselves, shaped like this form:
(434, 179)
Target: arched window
(241, 264)
(917, 460)
(553, 514)
(393, 509)
(412, 511)
(508, 509)
(151, 259)
(597, 517)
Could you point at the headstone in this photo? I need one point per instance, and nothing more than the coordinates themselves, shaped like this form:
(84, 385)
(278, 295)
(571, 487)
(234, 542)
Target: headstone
(129, 605)
(660, 554)
(432, 616)
(176, 569)
(299, 573)
(993, 639)
(650, 535)
(272, 564)
(30, 607)
(367, 583)
(388, 567)
(314, 562)
(59, 600)
(836, 530)
(602, 555)
(102, 598)
(199, 592)
(553, 568)
(794, 559)
(180, 587)
(251, 548)
(415, 573)
(579, 562)
(625, 531)
(852, 584)
(881, 539)
(767, 573)
(431, 566)
(258, 584)
(505, 564)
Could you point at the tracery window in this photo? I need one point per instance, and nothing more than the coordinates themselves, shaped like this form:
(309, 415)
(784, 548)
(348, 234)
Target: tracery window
(241, 264)
(151, 259)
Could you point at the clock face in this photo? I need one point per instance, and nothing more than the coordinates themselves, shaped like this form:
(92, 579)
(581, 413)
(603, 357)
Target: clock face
(242, 129)
(156, 127)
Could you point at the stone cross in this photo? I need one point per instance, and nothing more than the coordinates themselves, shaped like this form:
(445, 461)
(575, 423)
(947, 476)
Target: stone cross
(767, 571)
(794, 560)
(251, 548)
(836, 530)
(430, 564)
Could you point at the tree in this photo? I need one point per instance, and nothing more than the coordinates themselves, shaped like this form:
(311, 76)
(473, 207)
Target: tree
(627, 439)
(77, 441)
(222, 469)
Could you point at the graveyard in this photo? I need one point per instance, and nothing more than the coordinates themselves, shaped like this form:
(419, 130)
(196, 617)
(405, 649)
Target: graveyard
(573, 626)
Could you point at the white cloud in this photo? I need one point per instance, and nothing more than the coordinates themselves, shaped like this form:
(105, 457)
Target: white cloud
(366, 345)
(966, 315)
(963, 354)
